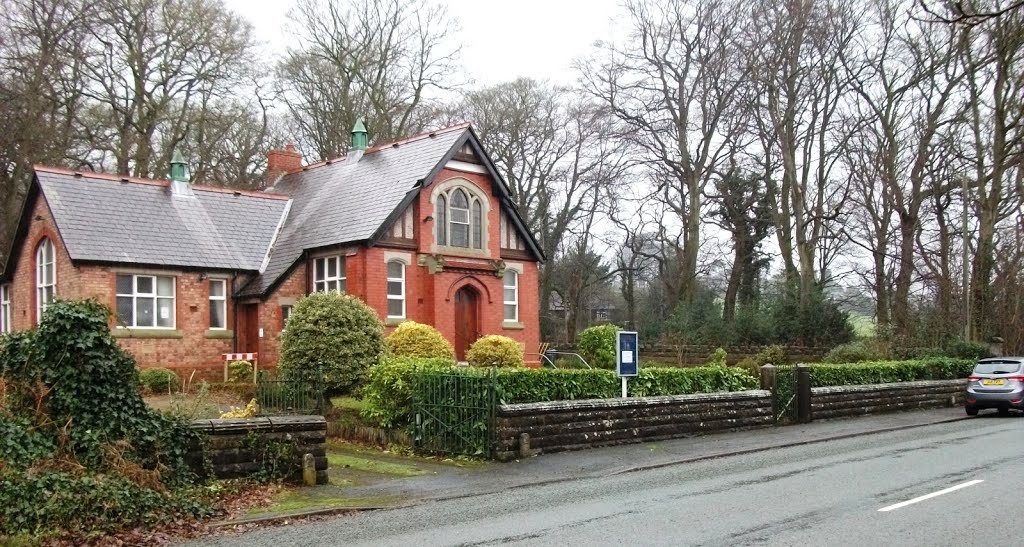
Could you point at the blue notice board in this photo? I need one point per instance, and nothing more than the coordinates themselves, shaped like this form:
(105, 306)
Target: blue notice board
(626, 346)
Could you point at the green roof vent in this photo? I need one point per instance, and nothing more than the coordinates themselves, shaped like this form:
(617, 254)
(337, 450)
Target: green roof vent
(359, 135)
(179, 181)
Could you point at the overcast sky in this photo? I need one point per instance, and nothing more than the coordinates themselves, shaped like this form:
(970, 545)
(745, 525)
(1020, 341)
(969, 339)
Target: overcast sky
(501, 39)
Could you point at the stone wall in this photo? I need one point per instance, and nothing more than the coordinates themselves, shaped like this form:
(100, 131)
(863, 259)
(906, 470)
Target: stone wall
(835, 402)
(233, 445)
(572, 425)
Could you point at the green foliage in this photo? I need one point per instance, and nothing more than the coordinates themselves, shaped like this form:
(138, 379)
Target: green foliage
(961, 349)
(388, 391)
(856, 352)
(597, 345)
(159, 380)
(816, 322)
(21, 443)
(537, 385)
(698, 321)
(240, 372)
(43, 503)
(718, 358)
(73, 403)
(885, 372)
(774, 355)
(334, 336)
(495, 351)
(412, 339)
(91, 382)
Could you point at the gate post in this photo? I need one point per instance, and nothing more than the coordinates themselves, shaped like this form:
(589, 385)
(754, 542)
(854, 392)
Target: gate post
(803, 393)
(768, 383)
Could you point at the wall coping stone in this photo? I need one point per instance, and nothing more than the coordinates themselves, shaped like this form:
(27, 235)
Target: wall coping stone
(895, 386)
(223, 426)
(630, 402)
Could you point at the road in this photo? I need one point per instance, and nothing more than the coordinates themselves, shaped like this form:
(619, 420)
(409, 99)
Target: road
(829, 493)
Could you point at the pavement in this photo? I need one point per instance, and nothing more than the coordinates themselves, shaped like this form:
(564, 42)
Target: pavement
(615, 460)
(917, 478)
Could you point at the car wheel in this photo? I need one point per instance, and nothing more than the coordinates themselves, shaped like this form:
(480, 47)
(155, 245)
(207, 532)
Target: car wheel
(971, 410)
(1004, 412)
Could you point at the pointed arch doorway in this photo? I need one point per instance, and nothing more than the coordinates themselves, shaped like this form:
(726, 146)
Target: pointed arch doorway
(467, 320)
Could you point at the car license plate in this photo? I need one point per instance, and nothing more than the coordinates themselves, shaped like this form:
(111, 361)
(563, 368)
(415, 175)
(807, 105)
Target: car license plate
(990, 382)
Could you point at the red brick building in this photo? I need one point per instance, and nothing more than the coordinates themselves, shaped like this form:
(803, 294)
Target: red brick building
(421, 229)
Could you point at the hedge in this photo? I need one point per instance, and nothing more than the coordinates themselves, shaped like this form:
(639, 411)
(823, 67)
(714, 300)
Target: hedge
(388, 392)
(887, 372)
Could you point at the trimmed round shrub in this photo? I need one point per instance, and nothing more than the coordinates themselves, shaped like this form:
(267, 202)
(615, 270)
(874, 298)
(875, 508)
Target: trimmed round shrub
(412, 339)
(159, 380)
(855, 352)
(240, 372)
(495, 351)
(597, 345)
(333, 338)
(774, 355)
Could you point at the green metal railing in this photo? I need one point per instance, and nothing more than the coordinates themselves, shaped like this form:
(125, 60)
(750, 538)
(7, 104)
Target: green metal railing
(785, 394)
(454, 412)
(285, 397)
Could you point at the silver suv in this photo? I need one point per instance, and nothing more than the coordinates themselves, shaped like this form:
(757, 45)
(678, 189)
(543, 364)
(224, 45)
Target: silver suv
(996, 383)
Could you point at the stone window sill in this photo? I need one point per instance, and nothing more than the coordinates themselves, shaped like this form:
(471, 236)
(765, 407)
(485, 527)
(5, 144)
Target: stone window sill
(394, 321)
(146, 333)
(220, 333)
(511, 325)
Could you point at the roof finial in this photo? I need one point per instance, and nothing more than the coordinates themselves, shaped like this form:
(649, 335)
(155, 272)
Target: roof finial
(359, 135)
(178, 166)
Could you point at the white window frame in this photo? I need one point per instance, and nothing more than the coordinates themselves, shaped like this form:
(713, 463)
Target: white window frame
(446, 218)
(322, 282)
(5, 308)
(45, 292)
(398, 297)
(515, 301)
(220, 301)
(136, 296)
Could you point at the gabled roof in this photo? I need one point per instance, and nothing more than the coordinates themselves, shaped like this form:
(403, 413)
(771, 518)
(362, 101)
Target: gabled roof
(355, 199)
(112, 219)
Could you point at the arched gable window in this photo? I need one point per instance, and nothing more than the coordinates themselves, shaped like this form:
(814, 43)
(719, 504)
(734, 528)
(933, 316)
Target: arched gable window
(460, 219)
(46, 277)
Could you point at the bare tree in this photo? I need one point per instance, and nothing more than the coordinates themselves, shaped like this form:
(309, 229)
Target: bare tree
(559, 154)
(673, 85)
(374, 59)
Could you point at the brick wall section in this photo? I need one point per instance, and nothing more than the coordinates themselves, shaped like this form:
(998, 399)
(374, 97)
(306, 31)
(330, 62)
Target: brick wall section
(23, 284)
(229, 444)
(571, 425)
(840, 401)
(271, 320)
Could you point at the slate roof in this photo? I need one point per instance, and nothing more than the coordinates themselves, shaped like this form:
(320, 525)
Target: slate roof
(104, 218)
(348, 200)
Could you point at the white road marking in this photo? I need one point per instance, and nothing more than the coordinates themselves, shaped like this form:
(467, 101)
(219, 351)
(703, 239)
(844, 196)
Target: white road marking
(929, 496)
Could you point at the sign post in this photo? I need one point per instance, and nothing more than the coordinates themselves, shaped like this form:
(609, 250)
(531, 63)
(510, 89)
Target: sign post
(626, 358)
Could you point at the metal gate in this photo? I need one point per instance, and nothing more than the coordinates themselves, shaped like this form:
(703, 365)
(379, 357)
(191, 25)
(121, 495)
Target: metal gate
(455, 412)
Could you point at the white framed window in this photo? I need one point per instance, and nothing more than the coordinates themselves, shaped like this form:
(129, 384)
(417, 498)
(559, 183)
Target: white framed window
(329, 274)
(460, 219)
(46, 277)
(396, 290)
(218, 304)
(511, 292)
(286, 312)
(145, 301)
(5, 309)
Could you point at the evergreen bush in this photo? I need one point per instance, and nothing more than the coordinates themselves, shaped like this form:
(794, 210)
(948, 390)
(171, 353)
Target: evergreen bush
(412, 339)
(495, 351)
(159, 380)
(387, 394)
(597, 345)
(331, 338)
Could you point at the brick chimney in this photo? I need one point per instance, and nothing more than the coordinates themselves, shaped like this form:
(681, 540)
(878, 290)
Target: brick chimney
(281, 162)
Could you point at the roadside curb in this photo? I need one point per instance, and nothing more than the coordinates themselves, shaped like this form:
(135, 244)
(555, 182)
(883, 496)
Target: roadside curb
(278, 519)
(786, 445)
